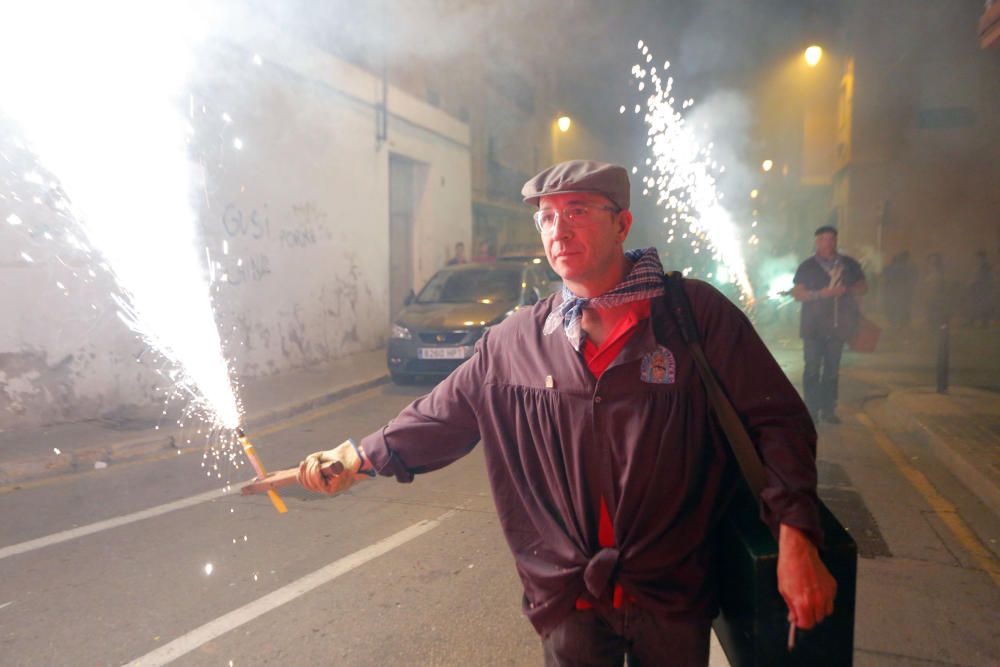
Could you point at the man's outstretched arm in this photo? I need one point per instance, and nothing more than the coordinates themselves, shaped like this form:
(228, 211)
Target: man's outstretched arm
(433, 431)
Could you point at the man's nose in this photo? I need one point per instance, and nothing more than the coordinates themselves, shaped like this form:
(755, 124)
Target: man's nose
(561, 227)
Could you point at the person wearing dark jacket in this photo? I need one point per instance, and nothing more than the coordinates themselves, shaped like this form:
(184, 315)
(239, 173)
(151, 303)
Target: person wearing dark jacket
(828, 284)
(607, 471)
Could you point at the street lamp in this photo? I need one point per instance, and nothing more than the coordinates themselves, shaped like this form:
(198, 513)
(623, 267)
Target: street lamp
(564, 122)
(767, 165)
(813, 55)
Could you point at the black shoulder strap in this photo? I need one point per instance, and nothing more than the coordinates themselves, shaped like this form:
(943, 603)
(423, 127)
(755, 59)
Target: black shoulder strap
(739, 441)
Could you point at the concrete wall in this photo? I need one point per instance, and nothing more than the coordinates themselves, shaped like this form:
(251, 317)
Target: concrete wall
(296, 224)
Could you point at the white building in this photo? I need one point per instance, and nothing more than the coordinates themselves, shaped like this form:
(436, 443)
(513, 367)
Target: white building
(330, 215)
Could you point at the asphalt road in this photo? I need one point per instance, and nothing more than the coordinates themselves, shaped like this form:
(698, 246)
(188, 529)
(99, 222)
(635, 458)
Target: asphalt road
(150, 562)
(443, 593)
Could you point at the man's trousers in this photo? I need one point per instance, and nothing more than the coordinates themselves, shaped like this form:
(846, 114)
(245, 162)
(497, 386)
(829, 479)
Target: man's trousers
(604, 637)
(821, 375)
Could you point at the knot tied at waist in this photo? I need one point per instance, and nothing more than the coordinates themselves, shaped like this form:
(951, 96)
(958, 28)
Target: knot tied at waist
(600, 570)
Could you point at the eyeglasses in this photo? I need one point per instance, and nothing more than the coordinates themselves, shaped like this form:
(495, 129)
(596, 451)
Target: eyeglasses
(576, 216)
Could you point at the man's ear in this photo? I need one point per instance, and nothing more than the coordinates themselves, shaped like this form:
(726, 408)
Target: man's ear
(624, 223)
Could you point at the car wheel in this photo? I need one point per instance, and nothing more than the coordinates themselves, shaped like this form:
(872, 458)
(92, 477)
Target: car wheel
(401, 378)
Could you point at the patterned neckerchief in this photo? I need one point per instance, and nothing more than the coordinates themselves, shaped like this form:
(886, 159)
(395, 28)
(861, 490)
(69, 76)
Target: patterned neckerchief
(644, 281)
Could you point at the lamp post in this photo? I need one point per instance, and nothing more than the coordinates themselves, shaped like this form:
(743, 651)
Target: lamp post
(561, 125)
(813, 55)
(797, 140)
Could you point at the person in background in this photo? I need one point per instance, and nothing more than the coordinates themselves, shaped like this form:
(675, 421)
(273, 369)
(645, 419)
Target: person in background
(608, 474)
(898, 282)
(980, 306)
(828, 285)
(485, 253)
(938, 293)
(459, 257)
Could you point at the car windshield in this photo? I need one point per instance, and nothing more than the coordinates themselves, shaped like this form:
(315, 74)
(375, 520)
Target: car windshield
(539, 262)
(486, 285)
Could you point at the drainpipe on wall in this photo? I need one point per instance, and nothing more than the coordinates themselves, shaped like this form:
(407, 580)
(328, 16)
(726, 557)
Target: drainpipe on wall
(382, 108)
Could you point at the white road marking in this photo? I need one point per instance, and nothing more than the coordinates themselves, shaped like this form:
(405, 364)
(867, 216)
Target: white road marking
(248, 612)
(107, 524)
(6, 604)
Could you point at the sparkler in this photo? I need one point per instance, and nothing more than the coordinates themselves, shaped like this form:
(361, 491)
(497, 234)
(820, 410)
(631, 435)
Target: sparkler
(98, 97)
(682, 175)
(95, 93)
(259, 469)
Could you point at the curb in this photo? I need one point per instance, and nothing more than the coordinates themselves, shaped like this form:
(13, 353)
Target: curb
(975, 481)
(298, 407)
(23, 470)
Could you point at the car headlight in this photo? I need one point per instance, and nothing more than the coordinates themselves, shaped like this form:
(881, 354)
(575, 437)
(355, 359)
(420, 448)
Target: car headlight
(401, 332)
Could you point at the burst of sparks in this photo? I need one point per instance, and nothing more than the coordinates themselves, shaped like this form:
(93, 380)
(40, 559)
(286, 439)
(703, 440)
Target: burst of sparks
(681, 174)
(120, 156)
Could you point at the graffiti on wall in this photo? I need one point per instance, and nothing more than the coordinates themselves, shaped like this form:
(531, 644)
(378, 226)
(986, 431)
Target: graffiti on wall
(240, 270)
(340, 303)
(239, 223)
(305, 227)
(305, 329)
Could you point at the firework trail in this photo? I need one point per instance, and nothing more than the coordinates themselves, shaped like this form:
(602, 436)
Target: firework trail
(681, 173)
(97, 96)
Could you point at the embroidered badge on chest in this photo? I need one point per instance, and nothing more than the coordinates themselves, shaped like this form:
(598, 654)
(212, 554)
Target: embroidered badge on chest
(658, 367)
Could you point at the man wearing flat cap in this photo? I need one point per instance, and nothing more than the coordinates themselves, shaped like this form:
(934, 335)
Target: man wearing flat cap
(606, 468)
(828, 285)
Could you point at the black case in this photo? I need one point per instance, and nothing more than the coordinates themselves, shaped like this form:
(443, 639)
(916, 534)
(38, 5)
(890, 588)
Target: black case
(752, 624)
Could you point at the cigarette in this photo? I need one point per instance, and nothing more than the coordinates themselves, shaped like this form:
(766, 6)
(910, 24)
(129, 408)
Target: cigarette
(791, 635)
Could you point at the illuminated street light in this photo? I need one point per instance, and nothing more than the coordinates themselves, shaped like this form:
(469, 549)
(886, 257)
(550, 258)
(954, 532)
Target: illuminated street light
(754, 193)
(766, 165)
(813, 55)
(564, 122)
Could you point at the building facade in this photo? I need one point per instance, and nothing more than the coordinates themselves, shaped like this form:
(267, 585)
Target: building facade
(918, 133)
(345, 196)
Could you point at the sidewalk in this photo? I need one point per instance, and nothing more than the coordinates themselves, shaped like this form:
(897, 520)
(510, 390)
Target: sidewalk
(63, 448)
(962, 426)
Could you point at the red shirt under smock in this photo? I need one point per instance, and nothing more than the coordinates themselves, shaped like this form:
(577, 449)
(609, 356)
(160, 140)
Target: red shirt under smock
(556, 438)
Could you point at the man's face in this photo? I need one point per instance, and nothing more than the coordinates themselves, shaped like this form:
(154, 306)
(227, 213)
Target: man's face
(588, 251)
(826, 244)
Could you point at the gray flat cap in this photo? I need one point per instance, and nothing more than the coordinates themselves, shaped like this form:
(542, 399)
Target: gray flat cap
(610, 180)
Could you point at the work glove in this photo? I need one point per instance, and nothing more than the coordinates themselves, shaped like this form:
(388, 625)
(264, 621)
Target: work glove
(334, 470)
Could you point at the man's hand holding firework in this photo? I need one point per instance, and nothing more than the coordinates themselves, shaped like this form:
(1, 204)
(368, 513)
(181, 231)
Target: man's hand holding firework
(317, 474)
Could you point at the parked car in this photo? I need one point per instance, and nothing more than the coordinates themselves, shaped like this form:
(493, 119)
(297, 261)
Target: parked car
(553, 283)
(438, 328)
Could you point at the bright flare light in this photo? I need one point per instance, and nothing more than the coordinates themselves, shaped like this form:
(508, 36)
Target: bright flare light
(96, 88)
(682, 175)
(813, 55)
(564, 123)
(767, 165)
(781, 285)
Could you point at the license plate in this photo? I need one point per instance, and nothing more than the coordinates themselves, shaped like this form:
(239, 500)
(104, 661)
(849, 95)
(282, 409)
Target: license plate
(460, 352)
